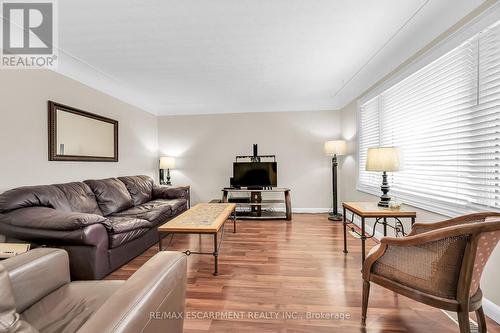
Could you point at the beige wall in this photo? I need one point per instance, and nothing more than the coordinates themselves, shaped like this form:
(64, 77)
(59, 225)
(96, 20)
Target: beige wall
(206, 145)
(23, 131)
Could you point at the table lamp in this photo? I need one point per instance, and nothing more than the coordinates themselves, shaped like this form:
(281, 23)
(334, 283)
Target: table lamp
(383, 159)
(334, 148)
(166, 163)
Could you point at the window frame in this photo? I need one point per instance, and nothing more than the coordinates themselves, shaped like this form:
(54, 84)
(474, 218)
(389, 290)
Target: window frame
(475, 26)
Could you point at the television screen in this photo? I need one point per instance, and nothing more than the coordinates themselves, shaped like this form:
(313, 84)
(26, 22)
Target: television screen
(255, 174)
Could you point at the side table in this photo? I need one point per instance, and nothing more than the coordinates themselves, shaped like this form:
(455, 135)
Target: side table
(367, 210)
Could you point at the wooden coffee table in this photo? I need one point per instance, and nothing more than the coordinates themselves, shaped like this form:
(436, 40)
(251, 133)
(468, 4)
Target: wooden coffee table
(204, 218)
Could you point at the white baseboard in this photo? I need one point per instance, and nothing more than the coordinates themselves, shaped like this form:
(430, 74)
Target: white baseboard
(311, 210)
(305, 210)
(491, 310)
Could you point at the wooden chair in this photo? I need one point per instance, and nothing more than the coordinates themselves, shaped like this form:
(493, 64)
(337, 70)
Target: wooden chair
(438, 264)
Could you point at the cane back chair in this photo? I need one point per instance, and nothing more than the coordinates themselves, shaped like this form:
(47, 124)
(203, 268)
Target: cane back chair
(438, 264)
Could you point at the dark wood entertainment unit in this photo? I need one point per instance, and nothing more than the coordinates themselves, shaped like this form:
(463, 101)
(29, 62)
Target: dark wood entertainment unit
(254, 205)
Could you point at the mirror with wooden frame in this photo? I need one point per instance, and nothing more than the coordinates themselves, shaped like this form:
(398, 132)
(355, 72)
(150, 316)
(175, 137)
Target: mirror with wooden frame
(76, 135)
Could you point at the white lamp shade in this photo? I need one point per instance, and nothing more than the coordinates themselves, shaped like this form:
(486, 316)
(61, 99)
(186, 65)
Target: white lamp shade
(167, 162)
(335, 147)
(382, 159)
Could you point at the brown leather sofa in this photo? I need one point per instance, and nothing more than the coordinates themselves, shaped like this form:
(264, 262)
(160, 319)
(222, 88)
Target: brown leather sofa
(36, 295)
(102, 224)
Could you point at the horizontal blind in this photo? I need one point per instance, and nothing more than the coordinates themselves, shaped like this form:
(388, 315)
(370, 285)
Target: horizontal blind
(445, 120)
(369, 117)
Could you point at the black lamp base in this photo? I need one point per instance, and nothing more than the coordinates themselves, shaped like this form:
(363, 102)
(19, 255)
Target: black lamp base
(384, 198)
(335, 217)
(383, 203)
(162, 177)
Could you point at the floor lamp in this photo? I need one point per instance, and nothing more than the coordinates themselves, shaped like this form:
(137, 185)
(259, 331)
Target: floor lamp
(335, 148)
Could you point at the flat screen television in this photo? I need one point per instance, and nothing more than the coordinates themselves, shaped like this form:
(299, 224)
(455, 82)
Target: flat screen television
(255, 174)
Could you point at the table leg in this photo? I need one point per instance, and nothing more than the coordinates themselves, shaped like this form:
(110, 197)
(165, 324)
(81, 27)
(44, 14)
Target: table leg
(385, 226)
(288, 206)
(412, 221)
(345, 230)
(234, 221)
(216, 255)
(159, 241)
(363, 240)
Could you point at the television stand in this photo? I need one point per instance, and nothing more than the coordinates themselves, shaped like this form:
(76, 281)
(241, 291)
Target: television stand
(260, 204)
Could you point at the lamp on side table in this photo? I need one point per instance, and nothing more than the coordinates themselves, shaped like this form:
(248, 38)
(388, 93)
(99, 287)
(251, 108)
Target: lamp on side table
(166, 163)
(335, 148)
(383, 159)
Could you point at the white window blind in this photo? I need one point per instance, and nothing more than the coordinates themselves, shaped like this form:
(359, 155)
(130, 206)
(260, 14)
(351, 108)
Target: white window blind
(445, 119)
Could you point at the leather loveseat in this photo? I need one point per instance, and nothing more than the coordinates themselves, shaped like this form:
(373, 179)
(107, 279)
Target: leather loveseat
(102, 224)
(36, 295)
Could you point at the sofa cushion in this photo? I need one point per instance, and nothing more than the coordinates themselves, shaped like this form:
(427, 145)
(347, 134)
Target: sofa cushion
(126, 228)
(69, 307)
(126, 223)
(111, 195)
(118, 239)
(178, 205)
(156, 211)
(80, 198)
(139, 187)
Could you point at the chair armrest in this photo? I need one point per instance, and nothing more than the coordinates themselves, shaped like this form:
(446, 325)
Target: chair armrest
(50, 219)
(143, 303)
(375, 253)
(35, 274)
(10, 320)
(470, 218)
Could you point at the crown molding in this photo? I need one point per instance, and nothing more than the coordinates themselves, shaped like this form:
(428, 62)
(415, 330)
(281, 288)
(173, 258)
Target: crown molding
(488, 17)
(78, 70)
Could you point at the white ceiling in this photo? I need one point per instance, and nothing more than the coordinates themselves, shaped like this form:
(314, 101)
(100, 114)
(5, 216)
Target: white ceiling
(217, 56)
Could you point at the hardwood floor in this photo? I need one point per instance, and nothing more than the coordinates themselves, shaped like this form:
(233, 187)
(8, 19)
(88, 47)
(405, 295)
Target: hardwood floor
(290, 269)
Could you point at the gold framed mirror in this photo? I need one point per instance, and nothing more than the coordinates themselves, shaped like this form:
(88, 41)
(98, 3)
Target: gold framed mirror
(77, 135)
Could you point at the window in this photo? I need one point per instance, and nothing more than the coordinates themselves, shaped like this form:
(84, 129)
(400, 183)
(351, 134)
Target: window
(445, 118)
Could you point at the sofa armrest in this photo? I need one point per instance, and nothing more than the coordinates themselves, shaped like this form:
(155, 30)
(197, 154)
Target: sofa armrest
(170, 192)
(50, 219)
(146, 301)
(35, 274)
(93, 235)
